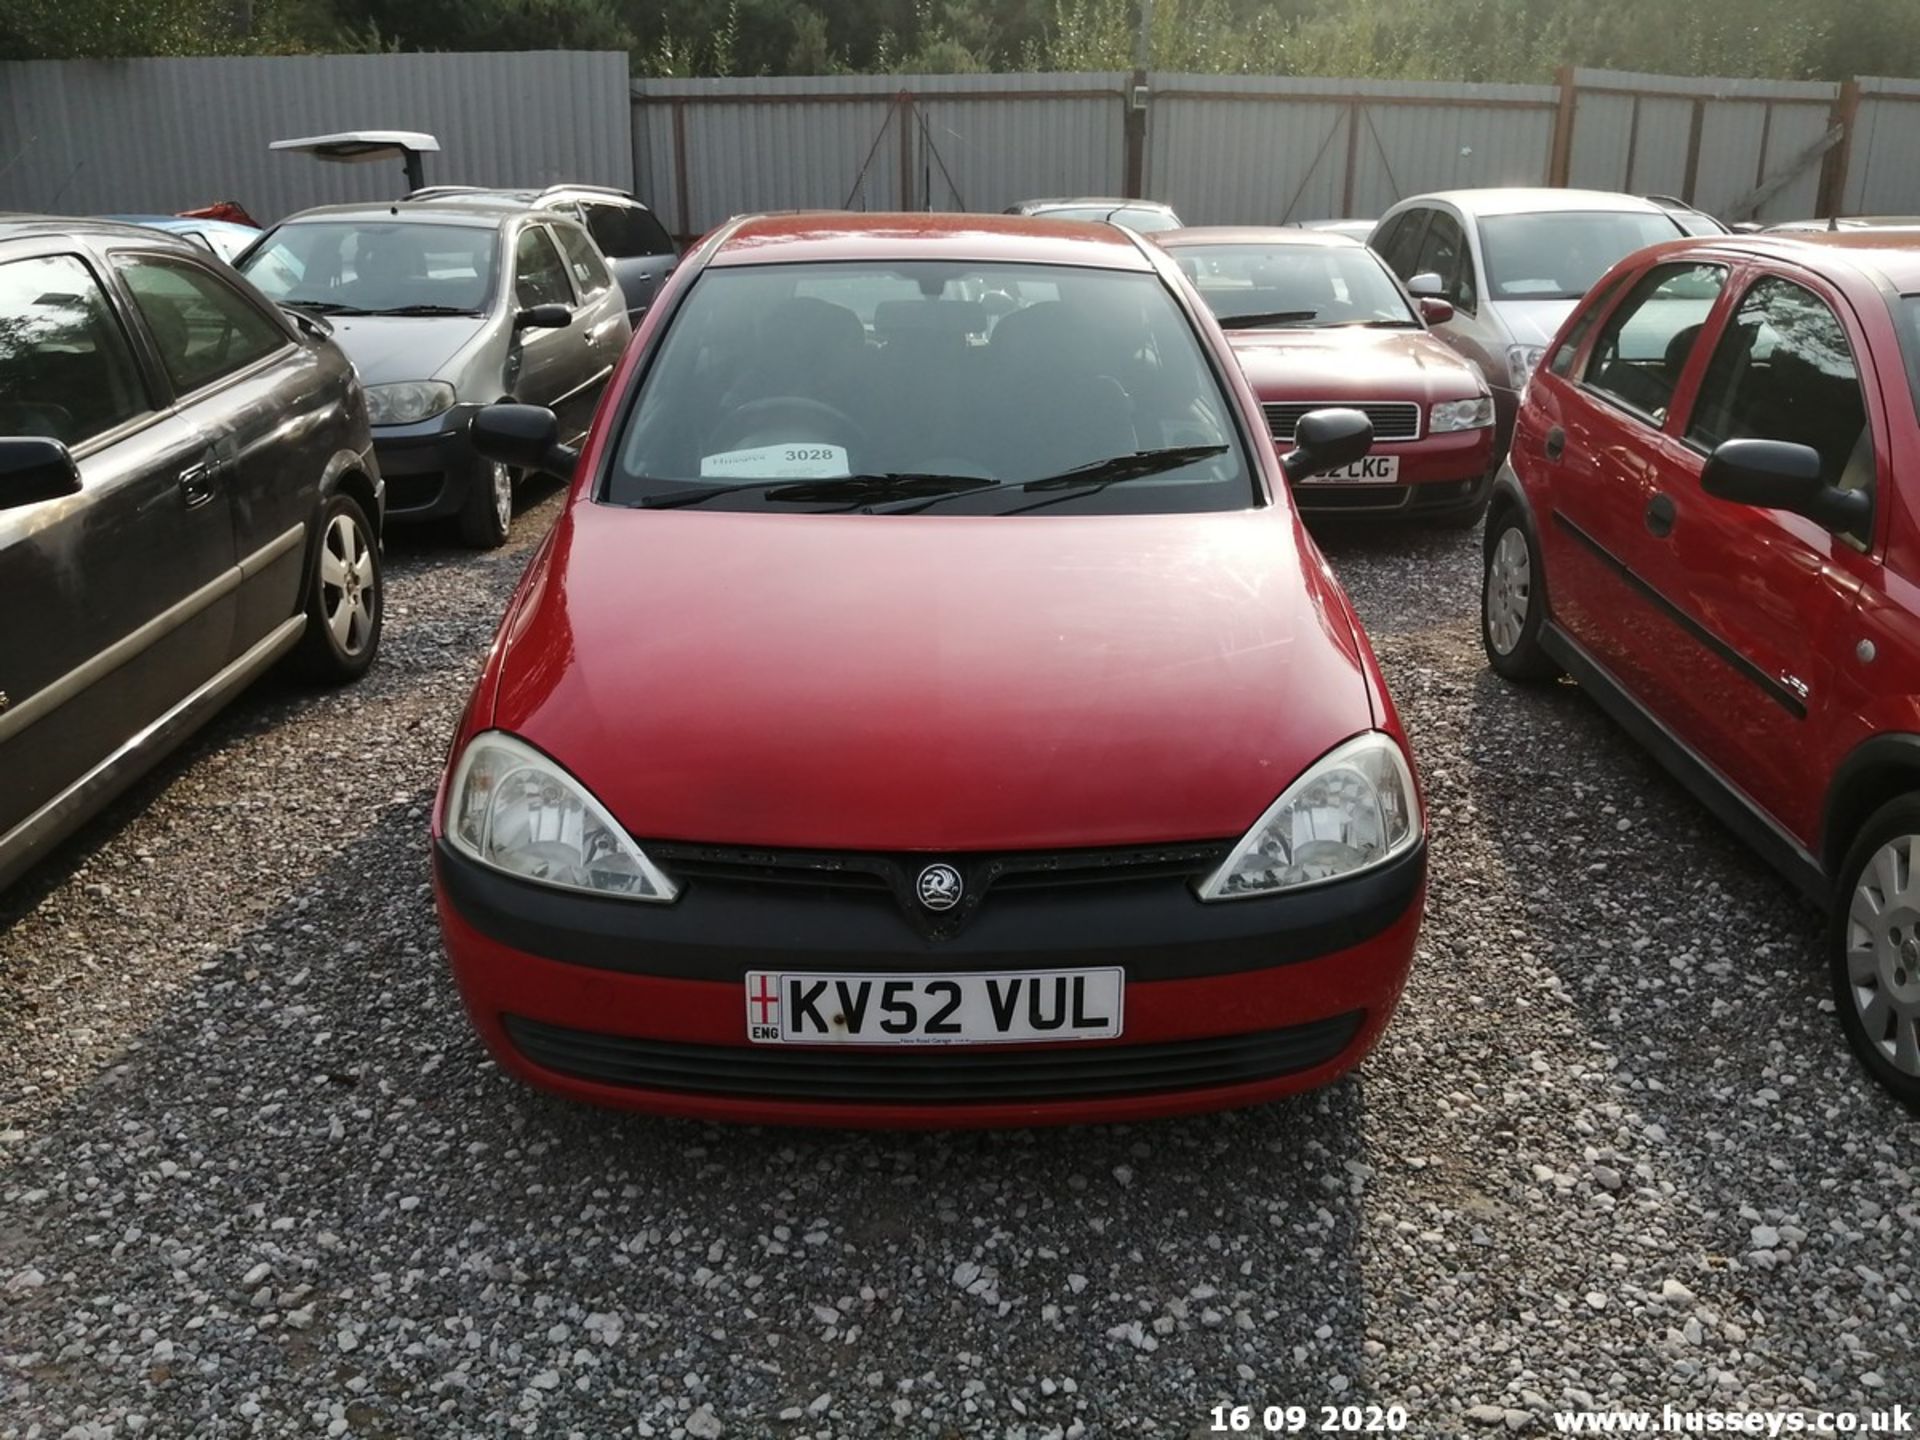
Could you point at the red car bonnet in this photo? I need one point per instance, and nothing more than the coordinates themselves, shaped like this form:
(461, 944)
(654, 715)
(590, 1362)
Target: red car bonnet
(931, 682)
(1350, 363)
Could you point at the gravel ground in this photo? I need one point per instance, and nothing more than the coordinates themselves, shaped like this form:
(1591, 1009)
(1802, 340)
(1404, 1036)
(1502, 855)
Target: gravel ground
(256, 1178)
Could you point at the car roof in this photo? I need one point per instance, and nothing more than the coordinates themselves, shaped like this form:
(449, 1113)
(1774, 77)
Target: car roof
(1536, 199)
(445, 212)
(29, 227)
(1196, 235)
(179, 222)
(816, 235)
(1092, 202)
(523, 195)
(1892, 256)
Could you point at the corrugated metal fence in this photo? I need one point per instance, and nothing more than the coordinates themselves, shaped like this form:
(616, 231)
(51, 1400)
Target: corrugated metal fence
(104, 136)
(94, 136)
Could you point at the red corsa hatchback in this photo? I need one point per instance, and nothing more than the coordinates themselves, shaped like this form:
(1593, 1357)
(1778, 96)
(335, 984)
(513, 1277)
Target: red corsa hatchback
(928, 709)
(1317, 319)
(1710, 521)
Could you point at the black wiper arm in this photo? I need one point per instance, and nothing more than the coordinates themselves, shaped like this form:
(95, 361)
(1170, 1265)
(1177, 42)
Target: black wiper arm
(1261, 319)
(325, 307)
(856, 488)
(422, 310)
(1139, 464)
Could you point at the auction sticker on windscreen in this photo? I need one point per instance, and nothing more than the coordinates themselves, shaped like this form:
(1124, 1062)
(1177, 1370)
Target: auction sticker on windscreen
(806, 461)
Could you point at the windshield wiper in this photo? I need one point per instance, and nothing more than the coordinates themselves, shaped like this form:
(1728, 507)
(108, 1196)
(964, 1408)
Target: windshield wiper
(325, 307)
(1138, 465)
(422, 310)
(859, 489)
(1260, 319)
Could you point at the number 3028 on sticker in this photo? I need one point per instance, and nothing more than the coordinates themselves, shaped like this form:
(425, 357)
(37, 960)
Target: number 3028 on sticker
(978, 1007)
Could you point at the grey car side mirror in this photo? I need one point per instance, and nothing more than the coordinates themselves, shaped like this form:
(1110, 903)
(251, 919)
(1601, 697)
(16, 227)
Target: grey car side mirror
(1327, 440)
(35, 468)
(1427, 283)
(522, 437)
(543, 317)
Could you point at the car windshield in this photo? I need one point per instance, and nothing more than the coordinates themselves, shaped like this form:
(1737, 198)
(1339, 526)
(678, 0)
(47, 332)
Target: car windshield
(1557, 255)
(373, 267)
(836, 386)
(1279, 286)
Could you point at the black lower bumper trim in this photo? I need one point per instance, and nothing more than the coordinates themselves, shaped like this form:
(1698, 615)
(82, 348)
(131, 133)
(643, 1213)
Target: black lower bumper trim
(1155, 929)
(939, 1076)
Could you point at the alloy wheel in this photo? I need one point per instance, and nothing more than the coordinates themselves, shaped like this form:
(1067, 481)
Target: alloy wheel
(502, 482)
(347, 582)
(1883, 953)
(1509, 589)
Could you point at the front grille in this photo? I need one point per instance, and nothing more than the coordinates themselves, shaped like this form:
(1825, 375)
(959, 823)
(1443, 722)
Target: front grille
(1392, 419)
(932, 1076)
(894, 875)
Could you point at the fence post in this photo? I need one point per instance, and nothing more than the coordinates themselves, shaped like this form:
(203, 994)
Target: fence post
(1353, 156)
(1833, 173)
(1561, 165)
(902, 115)
(681, 202)
(1135, 132)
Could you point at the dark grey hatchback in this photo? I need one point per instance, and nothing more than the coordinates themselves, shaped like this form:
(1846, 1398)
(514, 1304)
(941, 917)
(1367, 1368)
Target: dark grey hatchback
(187, 495)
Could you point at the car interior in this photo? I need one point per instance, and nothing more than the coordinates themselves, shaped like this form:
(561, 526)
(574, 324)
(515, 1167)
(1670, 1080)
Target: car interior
(377, 267)
(64, 371)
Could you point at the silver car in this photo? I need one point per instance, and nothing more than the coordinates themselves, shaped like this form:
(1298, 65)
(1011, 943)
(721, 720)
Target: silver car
(1513, 263)
(445, 308)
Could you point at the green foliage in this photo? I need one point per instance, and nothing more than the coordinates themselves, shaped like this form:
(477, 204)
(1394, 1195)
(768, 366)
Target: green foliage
(1473, 40)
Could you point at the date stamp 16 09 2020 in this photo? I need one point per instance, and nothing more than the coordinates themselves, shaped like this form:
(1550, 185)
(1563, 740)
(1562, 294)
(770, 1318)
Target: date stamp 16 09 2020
(1309, 1419)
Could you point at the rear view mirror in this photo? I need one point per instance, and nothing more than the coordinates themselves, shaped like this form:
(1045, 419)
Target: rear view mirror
(1427, 283)
(1434, 310)
(523, 437)
(35, 468)
(1779, 475)
(543, 317)
(1327, 440)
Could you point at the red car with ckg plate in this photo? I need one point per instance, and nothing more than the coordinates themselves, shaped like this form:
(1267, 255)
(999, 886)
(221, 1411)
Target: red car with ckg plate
(1316, 319)
(928, 708)
(1709, 521)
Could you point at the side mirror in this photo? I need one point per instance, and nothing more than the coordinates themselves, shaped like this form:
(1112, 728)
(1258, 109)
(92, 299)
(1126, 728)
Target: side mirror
(1427, 283)
(1434, 310)
(34, 468)
(1778, 475)
(522, 437)
(543, 317)
(1327, 440)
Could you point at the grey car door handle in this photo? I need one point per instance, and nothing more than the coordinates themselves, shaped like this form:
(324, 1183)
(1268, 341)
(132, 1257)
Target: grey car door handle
(196, 485)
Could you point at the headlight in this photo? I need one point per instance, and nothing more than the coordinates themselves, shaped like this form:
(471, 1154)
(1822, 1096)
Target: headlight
(408, 401)
(1353, 809)
(1475, 414)
(512, 808)
(1522, 361)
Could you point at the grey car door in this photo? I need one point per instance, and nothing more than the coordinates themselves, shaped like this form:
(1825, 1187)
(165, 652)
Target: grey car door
(119, 598)
(636, 245)
(561, 367)
(236, 373)
(601, 314)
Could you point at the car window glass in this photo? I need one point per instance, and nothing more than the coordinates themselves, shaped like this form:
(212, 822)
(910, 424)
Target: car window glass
(202, 327)
(1381, 241)
(66, 371)
(1569, 348)
(1404, 250)
(1783, 370)
(376, 266)
(1643, 347)
(538, 276)
(1309, 284)
(1560, 254)
(989, 373)
(624, 231)
(1444, 253)
(1144, 222)
(590, 276)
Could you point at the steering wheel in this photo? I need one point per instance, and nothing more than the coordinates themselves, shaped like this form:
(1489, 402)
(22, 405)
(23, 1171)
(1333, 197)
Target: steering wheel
(782, 419)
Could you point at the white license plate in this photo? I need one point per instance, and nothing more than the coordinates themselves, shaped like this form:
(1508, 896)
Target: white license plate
(981, 1007)
(1373, 470)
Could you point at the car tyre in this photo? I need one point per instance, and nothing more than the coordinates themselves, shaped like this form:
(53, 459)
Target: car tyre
(486, 515)
(1512, 602)
(1873, 948)
(346, 597)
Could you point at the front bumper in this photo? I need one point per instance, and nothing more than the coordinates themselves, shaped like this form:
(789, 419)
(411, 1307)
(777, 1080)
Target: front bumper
(428, 465)
(1440, 475)
(644, 1007)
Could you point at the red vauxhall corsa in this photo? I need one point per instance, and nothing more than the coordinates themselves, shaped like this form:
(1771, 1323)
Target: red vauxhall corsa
(1711, 522)
(1317, 319)
(928, 709)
